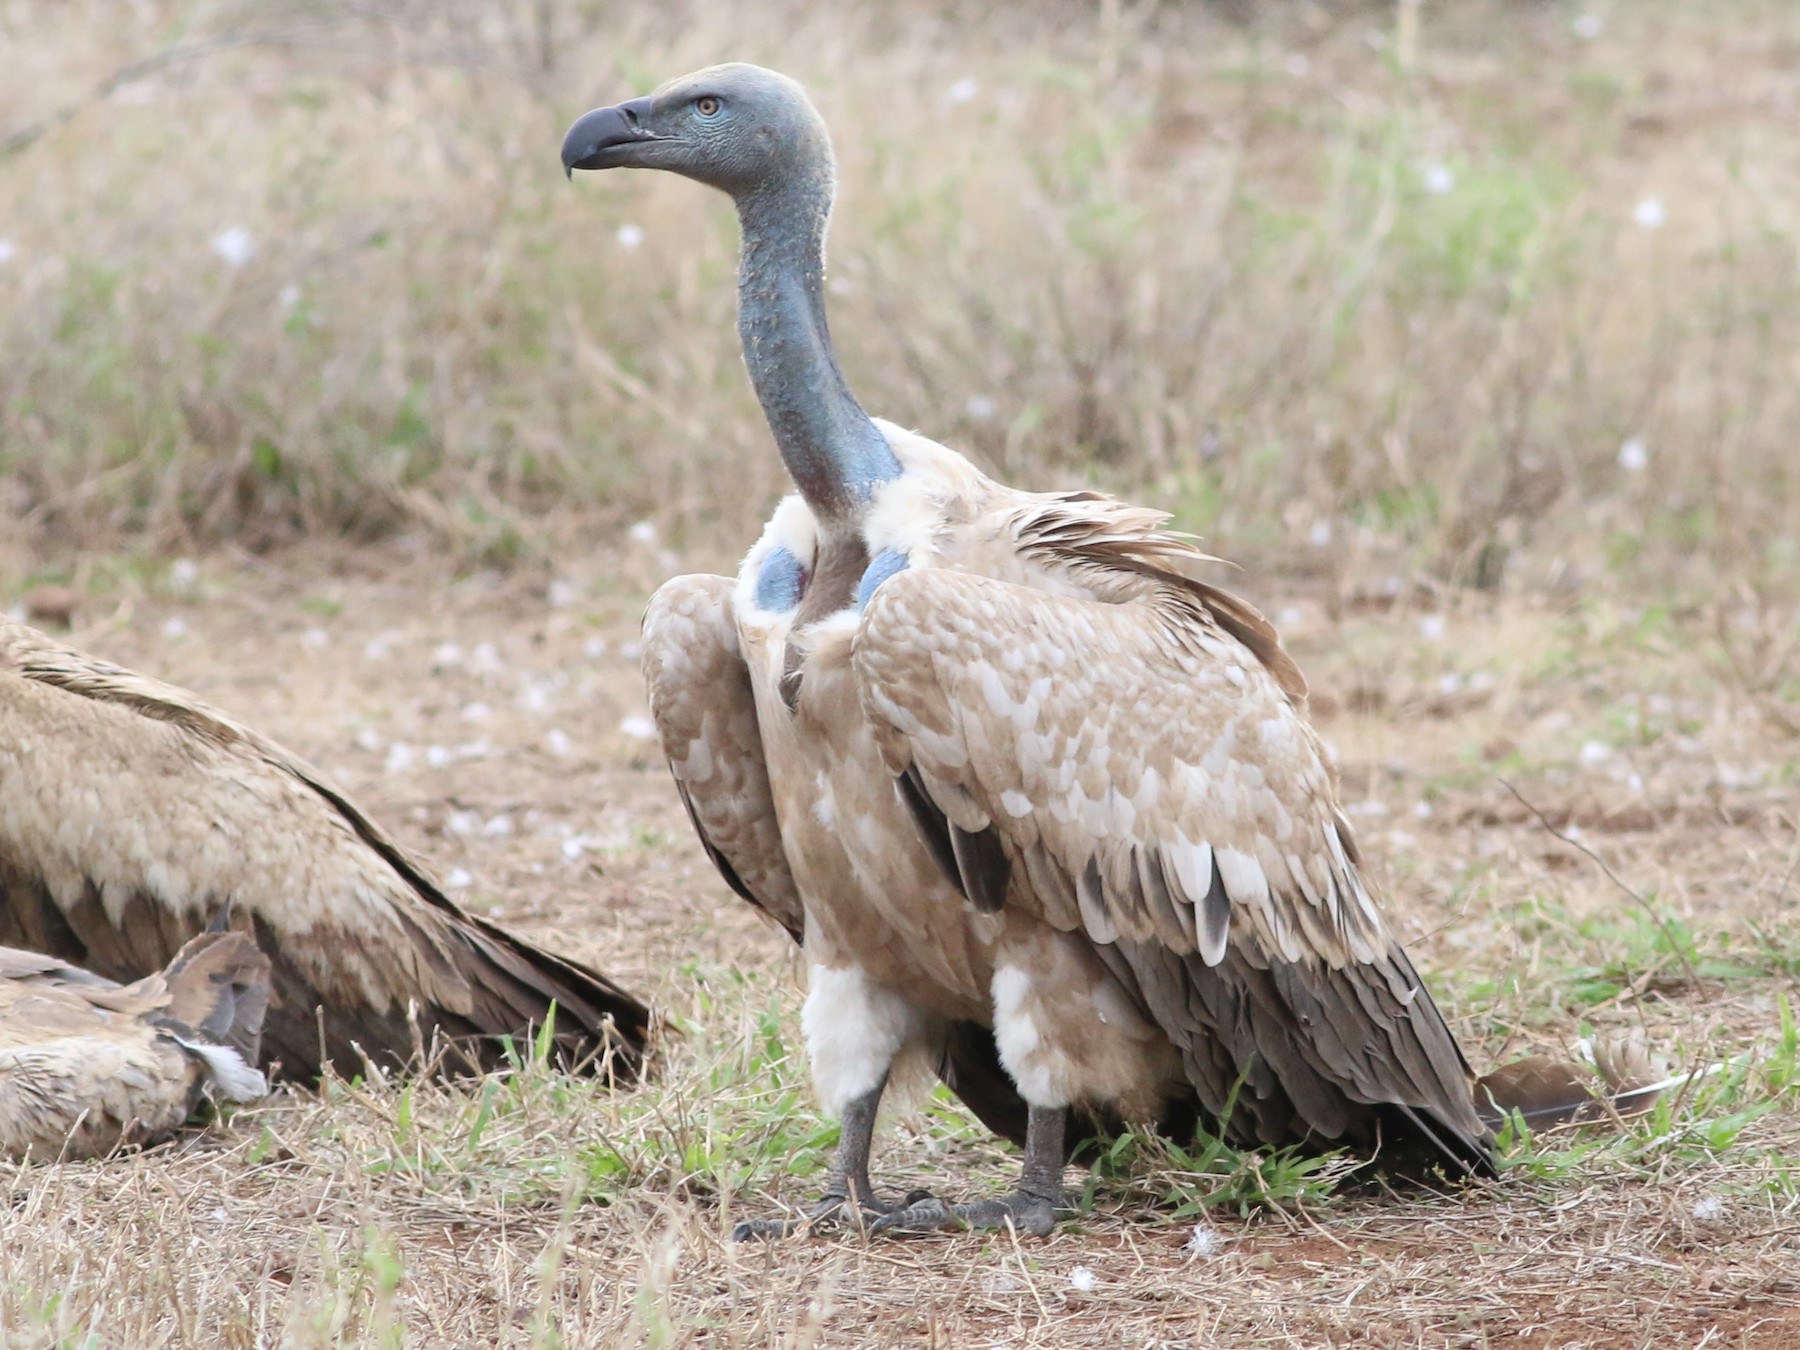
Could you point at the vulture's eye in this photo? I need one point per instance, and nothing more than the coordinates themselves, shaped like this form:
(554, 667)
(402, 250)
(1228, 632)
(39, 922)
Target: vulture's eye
(707, 106)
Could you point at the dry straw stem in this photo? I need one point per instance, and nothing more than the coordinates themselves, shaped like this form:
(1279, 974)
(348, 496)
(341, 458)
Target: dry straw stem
(1329, 290)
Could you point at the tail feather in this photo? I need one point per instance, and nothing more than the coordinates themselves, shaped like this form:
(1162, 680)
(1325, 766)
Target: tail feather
(1546, 1092)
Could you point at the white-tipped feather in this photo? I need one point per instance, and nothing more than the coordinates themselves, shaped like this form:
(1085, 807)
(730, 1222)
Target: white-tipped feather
(235, 1080)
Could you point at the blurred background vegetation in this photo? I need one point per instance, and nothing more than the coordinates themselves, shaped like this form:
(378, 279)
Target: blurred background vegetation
(1474, 293)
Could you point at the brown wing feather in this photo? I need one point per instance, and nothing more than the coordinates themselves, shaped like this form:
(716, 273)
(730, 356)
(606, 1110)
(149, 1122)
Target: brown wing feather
(131, 811)
(705, 713)
(1155, 787)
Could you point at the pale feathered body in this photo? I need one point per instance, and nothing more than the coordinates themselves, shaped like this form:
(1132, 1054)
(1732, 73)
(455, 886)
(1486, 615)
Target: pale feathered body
(131, 812)
(87, 1064)
(1178, 901)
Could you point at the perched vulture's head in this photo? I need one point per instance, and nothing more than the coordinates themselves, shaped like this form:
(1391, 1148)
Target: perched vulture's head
(733, 127)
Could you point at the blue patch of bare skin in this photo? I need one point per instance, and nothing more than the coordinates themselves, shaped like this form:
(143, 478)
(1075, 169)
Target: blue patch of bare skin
(780, 583)
(884, 565)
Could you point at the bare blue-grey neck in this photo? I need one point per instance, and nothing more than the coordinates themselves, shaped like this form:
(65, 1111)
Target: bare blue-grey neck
(834, 453)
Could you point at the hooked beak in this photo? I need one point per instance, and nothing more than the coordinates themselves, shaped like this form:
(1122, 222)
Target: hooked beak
(602, 139)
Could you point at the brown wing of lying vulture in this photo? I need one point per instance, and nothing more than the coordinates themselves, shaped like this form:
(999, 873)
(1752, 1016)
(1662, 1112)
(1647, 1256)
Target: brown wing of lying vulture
(131, 812)
(87, 1064)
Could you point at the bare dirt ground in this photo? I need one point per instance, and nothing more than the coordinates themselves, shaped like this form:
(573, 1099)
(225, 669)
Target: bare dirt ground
(495, 723)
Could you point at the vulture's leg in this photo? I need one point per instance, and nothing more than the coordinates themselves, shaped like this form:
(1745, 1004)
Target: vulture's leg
(849, 1194)
(1032, 1208)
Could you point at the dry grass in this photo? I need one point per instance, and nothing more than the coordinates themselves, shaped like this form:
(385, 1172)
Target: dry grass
(1290, 275)
(532, 1210)
(1197, 252)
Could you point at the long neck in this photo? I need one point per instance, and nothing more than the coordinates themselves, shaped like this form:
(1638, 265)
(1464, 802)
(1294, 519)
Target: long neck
(833, 452)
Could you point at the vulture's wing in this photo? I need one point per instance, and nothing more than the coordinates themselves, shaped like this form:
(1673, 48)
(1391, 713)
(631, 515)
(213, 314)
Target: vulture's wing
(86, 1063)
(131, 812)
(1133, 771)
(705, 713)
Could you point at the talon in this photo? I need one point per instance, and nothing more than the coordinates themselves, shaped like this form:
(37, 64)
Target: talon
(1032, 1215)
(756, 1230)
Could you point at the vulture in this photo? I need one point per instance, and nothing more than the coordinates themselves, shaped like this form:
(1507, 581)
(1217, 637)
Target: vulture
(131, 813)
(1032, 797)
(87, 1064)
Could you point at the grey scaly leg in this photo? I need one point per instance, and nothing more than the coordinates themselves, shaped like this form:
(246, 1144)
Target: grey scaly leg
(1031, 1209)
(848, 1191)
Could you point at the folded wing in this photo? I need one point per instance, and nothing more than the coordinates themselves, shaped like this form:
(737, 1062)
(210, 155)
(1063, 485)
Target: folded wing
(1133, 772)
(131, 812)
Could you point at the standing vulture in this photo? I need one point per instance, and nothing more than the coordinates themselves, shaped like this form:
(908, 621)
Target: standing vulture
(1006, 765)
(131, 812)
(87, 1064)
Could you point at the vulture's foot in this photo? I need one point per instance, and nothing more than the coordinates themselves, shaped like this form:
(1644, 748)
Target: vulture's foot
(1022, 1211)
(832, 1211)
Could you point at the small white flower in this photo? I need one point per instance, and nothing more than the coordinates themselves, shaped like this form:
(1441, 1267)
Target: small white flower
(1450, 683)
(1635, 782)
(1291, 616)
(498, 828)
(473, 750)
(631, 650)
(573, 848)
(629, 236)
(315, 638)
(963, 91)
(1709, 1207)
(1422, 809)
(400, 757)
(1594, 754)
(557, 742)
(184, 573)
(535, 698)
(437, 756)
(1431, 627)
(7, 250)
(562, 593)
(234, 245)
(1439, 180)
(369, 739)
(477, 712)
(1586, 26)
(287, 297)
(175, 628)
(1649, 213)
(1296, 64)
(1206, 1240)
(980, 407)
(485, 657)
(447, 654)
(638, 728)
(1634, 455)
(1081, 1280)
(644, 532)
(463, 822)
(458, 879)
(1320, 534)
(594, 648)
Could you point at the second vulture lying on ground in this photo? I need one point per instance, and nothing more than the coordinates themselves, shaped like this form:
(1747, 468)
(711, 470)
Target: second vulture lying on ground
(87, 1064)
(1013, 777)
(131, 813)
